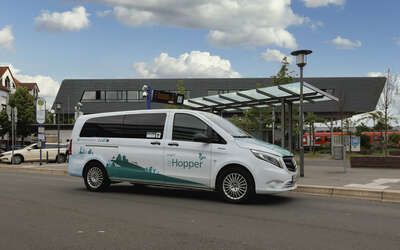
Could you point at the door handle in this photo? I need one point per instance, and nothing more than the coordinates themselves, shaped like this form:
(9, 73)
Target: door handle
(173, 144)
(155, 143)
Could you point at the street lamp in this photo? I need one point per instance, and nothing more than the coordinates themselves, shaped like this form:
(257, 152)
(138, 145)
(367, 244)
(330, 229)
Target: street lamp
(147, 94)
(301, 61)
(58, 108)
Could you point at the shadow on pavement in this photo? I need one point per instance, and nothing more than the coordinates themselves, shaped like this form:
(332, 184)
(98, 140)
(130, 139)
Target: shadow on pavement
(163, 192)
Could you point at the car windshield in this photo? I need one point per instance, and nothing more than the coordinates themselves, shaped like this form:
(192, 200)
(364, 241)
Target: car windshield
(228, 126)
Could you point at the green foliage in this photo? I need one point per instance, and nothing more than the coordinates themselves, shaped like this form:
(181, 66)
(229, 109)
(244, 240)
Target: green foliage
(362, 128)
(394, 138)
(180, 90)
(25, 104)
(283, 76)
(365, 143)
(49, 117)
(4, 123)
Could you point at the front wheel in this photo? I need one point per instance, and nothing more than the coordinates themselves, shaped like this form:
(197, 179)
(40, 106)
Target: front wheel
(236, 185)
(96, 178)
(17, 159)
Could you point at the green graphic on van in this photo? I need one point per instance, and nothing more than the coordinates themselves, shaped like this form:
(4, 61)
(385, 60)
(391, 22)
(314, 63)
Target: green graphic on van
(82, 150)
(187, 164)
(120, 167)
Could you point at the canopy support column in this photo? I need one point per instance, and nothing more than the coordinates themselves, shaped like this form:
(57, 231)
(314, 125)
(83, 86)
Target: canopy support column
(290, 111)
(283, 123)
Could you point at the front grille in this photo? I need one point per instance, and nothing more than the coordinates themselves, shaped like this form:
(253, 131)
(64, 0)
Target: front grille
(290, 163)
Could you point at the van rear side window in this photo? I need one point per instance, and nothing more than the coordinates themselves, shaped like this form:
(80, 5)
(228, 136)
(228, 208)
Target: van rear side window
(108, 126)
(141, 126)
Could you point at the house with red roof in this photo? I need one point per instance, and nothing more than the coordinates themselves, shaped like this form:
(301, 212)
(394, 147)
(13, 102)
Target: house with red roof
(8, 85)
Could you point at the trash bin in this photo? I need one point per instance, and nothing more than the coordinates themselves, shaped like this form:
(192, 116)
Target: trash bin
(338, 152)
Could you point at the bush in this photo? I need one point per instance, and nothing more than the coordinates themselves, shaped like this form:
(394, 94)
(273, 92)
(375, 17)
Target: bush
(365, 143)
(394, 139)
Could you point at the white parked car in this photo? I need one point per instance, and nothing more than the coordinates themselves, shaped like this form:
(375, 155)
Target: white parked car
(32, 153)
(179, 148)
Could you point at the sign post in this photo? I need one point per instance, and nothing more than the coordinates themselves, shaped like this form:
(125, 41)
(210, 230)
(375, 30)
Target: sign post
(41, 118)
(13, 117)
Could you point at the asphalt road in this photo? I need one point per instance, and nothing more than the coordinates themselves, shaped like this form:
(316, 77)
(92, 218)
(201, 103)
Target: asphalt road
(39, 211)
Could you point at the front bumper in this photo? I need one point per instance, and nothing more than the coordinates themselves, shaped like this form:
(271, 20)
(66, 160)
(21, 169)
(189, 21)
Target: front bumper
(5, 158)
(275, 180)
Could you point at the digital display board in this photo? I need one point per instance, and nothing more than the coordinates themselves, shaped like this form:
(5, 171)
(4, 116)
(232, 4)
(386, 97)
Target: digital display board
(167, 97)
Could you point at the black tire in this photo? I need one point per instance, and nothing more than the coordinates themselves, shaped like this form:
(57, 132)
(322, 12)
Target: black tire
(17, 159)
(96, 178)
(236, 185)
(61, 158)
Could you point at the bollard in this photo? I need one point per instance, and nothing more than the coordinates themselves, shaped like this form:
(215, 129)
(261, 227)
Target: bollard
(47, 157)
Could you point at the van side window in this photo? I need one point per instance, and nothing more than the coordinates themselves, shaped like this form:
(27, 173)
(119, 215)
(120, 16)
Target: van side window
(186, 126)
(108, 126)
(144, 126)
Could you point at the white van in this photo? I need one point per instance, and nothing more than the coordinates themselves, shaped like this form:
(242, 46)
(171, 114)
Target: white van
(179, 148)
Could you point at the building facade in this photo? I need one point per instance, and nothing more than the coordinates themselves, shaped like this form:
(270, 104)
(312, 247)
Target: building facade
(8, 85)
(356, 94)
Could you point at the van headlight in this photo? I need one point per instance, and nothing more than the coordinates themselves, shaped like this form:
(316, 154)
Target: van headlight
(267, 157)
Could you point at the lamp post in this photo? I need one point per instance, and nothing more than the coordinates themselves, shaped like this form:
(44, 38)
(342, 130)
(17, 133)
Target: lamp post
(301, 61)
(147, 94)
(58, 108)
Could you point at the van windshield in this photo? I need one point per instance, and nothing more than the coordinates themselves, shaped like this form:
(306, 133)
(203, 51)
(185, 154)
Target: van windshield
(227, 126)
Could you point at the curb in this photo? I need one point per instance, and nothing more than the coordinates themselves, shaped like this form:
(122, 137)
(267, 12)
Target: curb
(330, 191)
(36, 170)
(342, 192)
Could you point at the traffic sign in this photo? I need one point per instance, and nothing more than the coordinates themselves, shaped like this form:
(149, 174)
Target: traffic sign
(40, 110)
(167, 97)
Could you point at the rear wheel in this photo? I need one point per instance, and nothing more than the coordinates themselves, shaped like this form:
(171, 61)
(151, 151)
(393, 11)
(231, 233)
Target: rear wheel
(61, 158)
(236, 185)
(96, 178)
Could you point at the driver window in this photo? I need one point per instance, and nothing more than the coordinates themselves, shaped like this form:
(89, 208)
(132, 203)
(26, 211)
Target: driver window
(35, 147)
(186, 126)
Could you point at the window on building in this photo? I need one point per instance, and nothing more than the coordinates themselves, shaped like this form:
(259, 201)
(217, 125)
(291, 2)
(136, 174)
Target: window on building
(7, 82)
(212, 92)
(116, 96)
(107, 127)
(132, 95)
(144, 126)
(93, 96)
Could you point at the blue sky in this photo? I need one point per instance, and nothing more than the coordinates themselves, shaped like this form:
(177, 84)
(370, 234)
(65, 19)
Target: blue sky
(51, 40)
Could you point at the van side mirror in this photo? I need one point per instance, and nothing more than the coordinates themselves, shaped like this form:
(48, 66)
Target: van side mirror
(199, 137)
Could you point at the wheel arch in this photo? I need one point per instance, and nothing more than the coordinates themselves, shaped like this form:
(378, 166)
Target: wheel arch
(232, 166)
(89, 163)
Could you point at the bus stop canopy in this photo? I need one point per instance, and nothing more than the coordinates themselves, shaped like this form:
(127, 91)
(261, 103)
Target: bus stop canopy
(259, 98)
(281, 95)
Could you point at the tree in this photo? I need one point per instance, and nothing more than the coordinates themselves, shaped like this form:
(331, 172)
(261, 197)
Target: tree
(4, 123)
(180, 90)
(387, 100)
(25, 104)
(257, 119)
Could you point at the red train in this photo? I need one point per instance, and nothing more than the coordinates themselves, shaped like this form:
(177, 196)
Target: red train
(321, 138)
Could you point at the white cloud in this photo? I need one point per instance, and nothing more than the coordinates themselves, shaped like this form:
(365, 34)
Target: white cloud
(195, 64)
(397, 40)
(322, 3)
(316, 25)
(48, 87)
(103, 13)
(67, 21)
(229, 22)
(7, 38)
(343, 43)
(376, 74)
(274, 55)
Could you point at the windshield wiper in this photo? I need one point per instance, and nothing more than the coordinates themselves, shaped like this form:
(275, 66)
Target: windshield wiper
(242, 136)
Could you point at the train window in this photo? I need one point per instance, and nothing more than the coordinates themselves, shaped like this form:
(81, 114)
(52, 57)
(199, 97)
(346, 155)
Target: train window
(318, 139)
(328, 139)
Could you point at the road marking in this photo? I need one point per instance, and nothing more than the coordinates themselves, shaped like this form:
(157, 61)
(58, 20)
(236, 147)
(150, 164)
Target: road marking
(80, 232)
(100, 231)
(375, 184)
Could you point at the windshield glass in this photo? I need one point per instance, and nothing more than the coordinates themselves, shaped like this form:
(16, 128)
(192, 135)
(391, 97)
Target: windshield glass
(228, 126)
